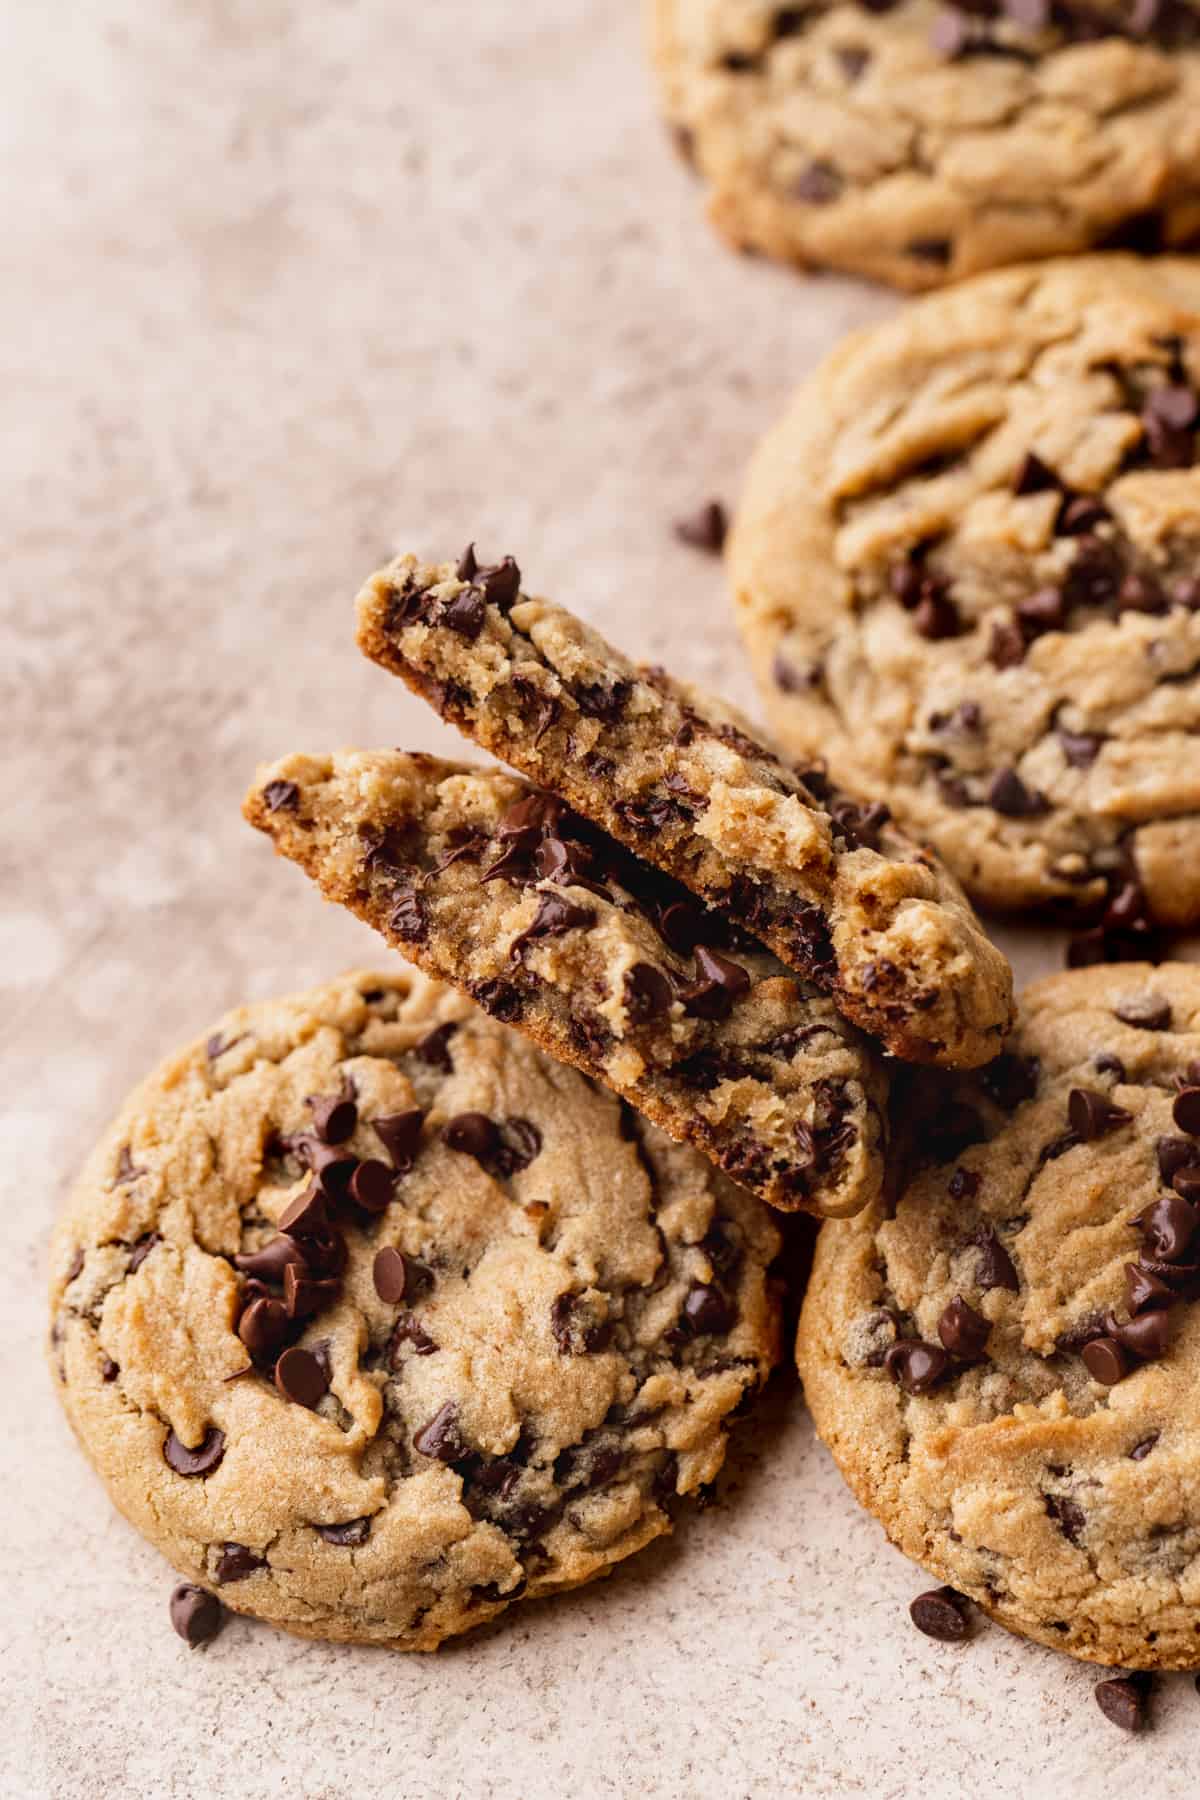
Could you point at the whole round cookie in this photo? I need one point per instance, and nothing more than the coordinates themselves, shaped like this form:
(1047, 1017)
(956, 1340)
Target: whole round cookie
(1005, 1362)
(374, 1319)
(967, 568)
(920, 143)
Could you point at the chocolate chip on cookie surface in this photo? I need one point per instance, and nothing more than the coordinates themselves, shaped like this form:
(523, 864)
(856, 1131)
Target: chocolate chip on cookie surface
(919, 143)
(827, 883)
(387, 1423)
(1034, 1440)
(555, 928)
(976, 535)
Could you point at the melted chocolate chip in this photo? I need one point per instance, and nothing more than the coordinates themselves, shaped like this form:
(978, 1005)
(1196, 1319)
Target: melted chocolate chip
(236, 1561)
(408, 1330)
(1067, 1514)
(202, 1460)
(1144, 1291)
(554, 916)
(407, 918)
(942, 1614)
(720, 983)
(464, 614)
(574, 1333)
(963, 1331)
(196, 1614)
(354, 1531)
(1169, 1227)
(995, 1267)
(647, 993)
(916, 1366)
(441, 1438)
(142, 1249)
(281, 796)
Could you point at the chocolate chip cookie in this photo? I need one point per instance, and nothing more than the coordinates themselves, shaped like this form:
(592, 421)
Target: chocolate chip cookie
(1005, 1360)
(967, 568)
(919, 143)
(374, 1319)
(825, 881)
(550, 925)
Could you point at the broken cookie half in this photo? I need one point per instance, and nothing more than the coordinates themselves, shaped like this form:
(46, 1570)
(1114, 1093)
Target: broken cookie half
(553, 927)
(826, 881)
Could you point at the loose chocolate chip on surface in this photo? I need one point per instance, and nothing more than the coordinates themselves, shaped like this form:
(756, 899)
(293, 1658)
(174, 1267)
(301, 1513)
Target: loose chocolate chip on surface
(372, 1186)
(236, 1561)
(202, 1460)
(1124, 1701)
(1092, 1115)
(334, 1116)
(441, 1438)
(471, 1133)
(196, 1614)
(918, 1367)
(963, 1331)
(1105, 1360)
(301, 1378)
(995, 1267)
(942, 1614)
(281, 796)
(400, 1133)
(354, 1531)
(1186, 1111)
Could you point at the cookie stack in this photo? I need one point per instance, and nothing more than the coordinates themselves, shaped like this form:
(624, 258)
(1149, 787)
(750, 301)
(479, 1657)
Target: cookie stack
(385, 1306)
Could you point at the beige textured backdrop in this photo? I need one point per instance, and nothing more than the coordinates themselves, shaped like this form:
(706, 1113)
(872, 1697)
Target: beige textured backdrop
(287, 286)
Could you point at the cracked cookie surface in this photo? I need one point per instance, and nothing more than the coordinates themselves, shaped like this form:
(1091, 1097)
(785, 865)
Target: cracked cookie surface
(1004, 1361)
(826, 882)
(967, 566)
(919, 143)
(505, 1324)
(552, 927)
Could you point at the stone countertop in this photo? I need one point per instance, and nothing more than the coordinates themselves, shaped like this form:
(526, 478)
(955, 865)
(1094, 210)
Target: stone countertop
(288, 287)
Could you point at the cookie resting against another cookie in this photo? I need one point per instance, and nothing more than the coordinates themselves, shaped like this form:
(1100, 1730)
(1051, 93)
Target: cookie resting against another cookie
(1006, 1361)
(677, 776)
(967, 567)
(918, 143)
(553, 927)
(375, 1320)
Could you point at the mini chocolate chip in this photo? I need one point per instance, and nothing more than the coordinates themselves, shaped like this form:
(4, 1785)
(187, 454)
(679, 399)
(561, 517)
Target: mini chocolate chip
(1123, 1702)
(501, 583)
(441, 1438)
(300, 1378)
(1146, 1012)
(1146, 1336)
(464, 614)
(1080, 748)
(471, 1133)
(1186, 1111)
(1105, 1360)
(916, 1366)
(308, 1213)
(995, 1267)
(281, 796)
(555, 915)
(390, 1275)
(407, 918)
(1143, 1447)
(1169, 1226)
(942, 1614)
(201, 1460)
(263, 1326)
(372, 1186)
(647, 993)
(142, 1249)
(236, 1561)
(707, 1311)
(1144, 1291)
(400, 1133)
(334, 1116)
(269, 1263)
(1092, 1115)
(963, 1331)
(354, 1531)
(1009, 795)
(1035, 476)
(196, 1614)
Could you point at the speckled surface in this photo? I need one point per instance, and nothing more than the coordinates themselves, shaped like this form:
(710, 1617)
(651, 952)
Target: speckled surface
(285, 287)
